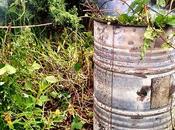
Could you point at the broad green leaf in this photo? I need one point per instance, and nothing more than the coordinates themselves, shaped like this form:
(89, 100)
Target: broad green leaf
(77, 124)
(7, 69)
(171, 20)
(123, 18)
(54, 94)
(3, 71)
(51, 79)
(35, 66)
(42, 100)
(43, 85)
(10, 69)
(160, 21)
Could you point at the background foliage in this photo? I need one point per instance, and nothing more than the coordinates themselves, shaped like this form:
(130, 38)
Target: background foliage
(45, 72)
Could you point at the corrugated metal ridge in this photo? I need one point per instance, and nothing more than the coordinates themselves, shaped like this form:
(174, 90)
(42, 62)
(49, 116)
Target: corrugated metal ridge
(133, 113)
(131, 70)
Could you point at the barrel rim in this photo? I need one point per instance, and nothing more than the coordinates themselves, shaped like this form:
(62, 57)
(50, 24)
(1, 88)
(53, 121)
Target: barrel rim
(100, 20)
(116, 23)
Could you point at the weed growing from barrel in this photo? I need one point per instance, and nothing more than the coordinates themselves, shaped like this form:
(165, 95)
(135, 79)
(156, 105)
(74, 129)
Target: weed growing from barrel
(155, 18)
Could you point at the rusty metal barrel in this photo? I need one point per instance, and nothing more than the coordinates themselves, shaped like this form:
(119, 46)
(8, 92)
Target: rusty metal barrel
(131, 93)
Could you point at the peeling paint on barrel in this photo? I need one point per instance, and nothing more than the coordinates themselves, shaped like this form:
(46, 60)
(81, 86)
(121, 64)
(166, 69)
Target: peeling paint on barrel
(130, 93)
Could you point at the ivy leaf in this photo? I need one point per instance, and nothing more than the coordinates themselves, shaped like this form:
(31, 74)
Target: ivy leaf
(51, 79)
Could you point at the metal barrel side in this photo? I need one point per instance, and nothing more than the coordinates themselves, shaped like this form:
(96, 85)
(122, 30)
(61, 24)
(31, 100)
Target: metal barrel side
(130, 93)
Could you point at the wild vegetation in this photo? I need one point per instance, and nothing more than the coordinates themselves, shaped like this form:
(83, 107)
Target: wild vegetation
(45, 72)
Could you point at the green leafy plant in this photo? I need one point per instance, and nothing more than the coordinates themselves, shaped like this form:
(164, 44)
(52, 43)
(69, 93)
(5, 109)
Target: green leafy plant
(40, 79)
(63, 17)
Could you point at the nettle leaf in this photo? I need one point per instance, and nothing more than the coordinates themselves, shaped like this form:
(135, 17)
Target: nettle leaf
(7, 69)
(51, 79)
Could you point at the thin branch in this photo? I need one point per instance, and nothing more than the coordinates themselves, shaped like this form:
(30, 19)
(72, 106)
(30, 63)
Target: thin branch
(171, 5)
(26, 26)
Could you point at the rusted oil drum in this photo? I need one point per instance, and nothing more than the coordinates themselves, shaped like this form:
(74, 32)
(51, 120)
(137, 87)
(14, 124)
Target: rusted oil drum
(132, 93)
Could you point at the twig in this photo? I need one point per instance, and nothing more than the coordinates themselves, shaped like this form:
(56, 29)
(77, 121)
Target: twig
(26, 26)
(171, 4)
(170, 12)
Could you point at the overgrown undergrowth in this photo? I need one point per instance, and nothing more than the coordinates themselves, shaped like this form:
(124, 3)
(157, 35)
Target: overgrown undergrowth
(46, 83)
